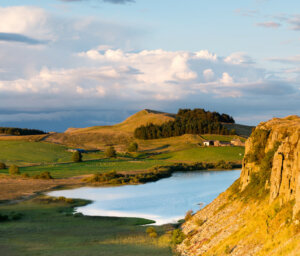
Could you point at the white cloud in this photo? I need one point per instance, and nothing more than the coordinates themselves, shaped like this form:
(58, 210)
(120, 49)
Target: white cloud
(239, 58)
(226, 79)
(30, 21)
(208, 74)
(148, 76)
(205, 54)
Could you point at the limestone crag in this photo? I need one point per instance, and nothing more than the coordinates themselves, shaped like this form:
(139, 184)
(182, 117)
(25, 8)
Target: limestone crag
(260, 213)
(285, 173)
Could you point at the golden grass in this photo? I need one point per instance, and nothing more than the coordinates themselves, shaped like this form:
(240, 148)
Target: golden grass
(267, 227)
(162, 241)
(143, 117)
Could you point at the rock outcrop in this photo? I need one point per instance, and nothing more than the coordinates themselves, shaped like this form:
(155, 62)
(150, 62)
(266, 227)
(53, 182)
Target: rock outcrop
(260, 213)
(285, 174)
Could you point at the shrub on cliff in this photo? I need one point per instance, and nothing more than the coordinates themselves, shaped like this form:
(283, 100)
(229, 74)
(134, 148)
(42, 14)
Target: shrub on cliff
(259, 137)
(188, 215)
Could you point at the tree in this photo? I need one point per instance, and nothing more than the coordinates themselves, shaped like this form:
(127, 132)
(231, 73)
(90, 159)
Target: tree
(77, 157)
(14, 170)
(110, 152)
(133, 147)
(2, 166)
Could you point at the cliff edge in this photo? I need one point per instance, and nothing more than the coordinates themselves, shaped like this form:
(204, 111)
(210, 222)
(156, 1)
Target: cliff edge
(260, 213)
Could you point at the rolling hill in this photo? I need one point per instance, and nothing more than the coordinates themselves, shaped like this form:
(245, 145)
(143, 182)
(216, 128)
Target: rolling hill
(120, 135)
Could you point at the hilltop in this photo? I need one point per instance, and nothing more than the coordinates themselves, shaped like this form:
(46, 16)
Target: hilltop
(143, 117)
(260, 213)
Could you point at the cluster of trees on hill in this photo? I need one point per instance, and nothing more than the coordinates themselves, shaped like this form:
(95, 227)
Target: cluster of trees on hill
(19, 131)
(187, 121)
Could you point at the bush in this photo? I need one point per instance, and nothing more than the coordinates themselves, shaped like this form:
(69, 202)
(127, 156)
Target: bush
(25, 175)
(188, 215)
(199, 222)
(153, 235)
(110, 152)
(77, 157)
(133, 147)
(45, 176)
(2, 166)
(227, 249)
(14, 170)
(150, 230)
(177, 236)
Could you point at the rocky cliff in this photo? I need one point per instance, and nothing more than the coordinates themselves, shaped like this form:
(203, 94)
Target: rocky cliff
(260, 213)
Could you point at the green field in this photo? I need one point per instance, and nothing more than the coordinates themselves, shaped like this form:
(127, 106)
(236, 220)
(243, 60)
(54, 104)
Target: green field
(90, 167)
(31, 153)
(51, 229)
(205, 154)
(24, 152)
(37, 157)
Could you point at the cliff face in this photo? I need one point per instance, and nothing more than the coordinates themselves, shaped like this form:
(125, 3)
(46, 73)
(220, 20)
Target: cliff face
(259, 213)
(284, 182)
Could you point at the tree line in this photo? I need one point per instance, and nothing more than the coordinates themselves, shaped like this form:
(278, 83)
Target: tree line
(187, 121)
(20, 131)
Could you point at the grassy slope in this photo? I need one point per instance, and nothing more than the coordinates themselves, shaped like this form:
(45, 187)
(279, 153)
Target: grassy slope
(205, 154)
(45, 230)
(143, 117)
(22, 152)
(27, 153)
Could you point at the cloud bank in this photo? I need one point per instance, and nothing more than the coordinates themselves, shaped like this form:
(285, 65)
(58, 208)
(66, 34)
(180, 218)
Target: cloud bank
(71, 83)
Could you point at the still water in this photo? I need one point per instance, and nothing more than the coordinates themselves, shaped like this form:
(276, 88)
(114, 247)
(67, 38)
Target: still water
(164, 201)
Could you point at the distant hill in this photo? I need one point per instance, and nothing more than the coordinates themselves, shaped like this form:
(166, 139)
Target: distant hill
(120, 134)
(101, 136)
(143, 117)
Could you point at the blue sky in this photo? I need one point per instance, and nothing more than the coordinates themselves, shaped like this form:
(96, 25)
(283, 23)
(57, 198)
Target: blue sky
(60, 60)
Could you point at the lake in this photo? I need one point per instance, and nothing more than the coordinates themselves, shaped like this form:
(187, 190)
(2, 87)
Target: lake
(164, 201)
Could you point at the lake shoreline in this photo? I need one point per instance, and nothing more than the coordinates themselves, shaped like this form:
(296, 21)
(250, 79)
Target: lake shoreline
(163, 190)
(35, 187)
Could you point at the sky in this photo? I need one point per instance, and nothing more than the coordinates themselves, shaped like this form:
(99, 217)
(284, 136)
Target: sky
(79, 63)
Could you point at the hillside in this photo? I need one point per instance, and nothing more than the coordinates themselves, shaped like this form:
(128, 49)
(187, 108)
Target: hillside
(121, 134)
(260, 213)
(100, 136)
(143, 117)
